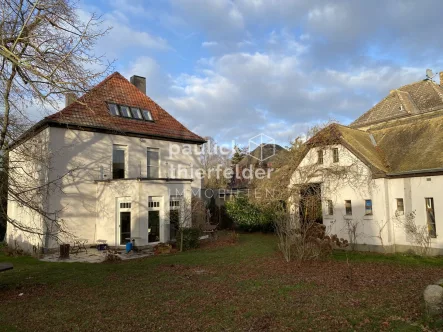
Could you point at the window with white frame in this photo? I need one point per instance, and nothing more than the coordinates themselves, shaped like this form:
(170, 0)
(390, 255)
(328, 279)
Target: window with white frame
(320, 157)
(153, 204)
(335, 157)
(153, 162)
(430, 216)
(119, 162)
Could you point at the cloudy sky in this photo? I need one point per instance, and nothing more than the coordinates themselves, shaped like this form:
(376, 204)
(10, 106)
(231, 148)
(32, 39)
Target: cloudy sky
(231, 69)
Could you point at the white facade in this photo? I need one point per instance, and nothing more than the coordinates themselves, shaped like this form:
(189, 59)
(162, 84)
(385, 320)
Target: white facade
(88, 200)
(358, 186)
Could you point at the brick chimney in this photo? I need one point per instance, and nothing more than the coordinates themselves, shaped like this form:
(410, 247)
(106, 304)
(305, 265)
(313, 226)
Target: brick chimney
(139, 82)
(70, 97)
(441, 78)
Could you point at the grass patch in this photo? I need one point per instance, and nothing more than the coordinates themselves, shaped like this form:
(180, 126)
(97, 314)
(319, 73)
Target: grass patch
(247, 286)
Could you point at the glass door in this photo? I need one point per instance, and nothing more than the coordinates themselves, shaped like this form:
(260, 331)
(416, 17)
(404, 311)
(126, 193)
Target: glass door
(153, 226)
(125, 227)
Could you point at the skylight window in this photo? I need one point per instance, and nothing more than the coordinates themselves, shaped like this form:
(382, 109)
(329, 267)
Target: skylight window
(124, 110)
(136, 114)
(131, 112)
(147, 115)
(113, 108)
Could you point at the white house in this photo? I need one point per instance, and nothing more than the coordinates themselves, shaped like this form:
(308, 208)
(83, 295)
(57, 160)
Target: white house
(384, 166)
(116, 164)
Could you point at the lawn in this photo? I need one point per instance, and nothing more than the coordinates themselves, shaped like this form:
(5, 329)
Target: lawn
(242, 287)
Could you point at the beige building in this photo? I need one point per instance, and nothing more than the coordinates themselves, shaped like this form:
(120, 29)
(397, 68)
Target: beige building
(114, 165)
(380, 173)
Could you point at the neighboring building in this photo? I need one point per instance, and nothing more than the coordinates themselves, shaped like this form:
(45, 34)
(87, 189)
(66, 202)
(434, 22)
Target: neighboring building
(107, 157)
(262, 157)
(383, 167)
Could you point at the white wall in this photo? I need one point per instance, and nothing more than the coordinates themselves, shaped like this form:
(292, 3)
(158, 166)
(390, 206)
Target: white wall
(382, 191)
(29, 165)
(414, 190)
(349, 179)
(87, 207)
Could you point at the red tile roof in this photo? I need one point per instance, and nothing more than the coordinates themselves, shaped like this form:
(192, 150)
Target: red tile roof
(91, 113)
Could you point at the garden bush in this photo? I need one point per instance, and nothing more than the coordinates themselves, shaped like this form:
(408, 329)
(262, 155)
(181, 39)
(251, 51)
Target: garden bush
(249, 217)
(191, 238)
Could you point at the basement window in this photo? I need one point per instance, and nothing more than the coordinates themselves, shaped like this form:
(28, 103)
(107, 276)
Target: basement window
(368, 207)
(348, 208)
(124, 110)
(147, 115)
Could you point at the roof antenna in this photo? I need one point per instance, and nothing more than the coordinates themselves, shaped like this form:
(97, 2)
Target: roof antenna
(429, 74)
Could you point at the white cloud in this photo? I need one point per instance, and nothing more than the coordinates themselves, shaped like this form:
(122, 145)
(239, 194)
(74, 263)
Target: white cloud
(241, 94)
(220, 19)
(123, 37)
(209, 44)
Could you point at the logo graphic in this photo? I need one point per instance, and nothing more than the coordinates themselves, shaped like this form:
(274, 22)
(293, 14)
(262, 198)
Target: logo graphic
(261, 147)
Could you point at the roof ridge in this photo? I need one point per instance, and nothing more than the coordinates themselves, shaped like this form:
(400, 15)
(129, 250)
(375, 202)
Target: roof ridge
(98, 85)
(439, 92)
(409, 84)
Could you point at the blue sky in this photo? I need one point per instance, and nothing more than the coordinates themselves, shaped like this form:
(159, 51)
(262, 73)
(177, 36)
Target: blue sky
(234, 69)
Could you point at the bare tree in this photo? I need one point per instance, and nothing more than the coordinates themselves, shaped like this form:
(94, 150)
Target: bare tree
(419, 235)
(215, 162)
(46, 52)
(300, 187)
(351, 226)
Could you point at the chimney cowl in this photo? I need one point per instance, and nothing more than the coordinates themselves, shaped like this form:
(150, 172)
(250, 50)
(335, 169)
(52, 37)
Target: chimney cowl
(139, 82)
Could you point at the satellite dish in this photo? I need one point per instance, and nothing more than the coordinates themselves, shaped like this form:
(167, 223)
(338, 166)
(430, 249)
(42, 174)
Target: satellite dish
(429, 73)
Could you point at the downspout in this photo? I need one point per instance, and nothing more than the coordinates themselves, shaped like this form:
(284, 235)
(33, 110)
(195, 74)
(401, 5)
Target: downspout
(390, 224)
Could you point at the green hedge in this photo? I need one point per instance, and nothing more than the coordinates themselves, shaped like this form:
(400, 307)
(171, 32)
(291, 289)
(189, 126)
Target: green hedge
(249, 217)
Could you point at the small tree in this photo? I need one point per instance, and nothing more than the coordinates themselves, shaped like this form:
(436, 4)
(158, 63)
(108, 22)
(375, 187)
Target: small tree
(303, 188)
(213, 157)
(352, 228)
(189, 217)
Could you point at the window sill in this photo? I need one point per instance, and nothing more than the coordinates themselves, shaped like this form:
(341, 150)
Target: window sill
(368, 216)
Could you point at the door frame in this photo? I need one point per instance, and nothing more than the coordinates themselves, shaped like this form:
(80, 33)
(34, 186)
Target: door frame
(119, 209)
(160, 209)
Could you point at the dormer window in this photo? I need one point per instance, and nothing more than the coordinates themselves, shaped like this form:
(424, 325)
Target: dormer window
(130, 112)
(113, 108)
(124, 110)
(136, 114)
(147, 115)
